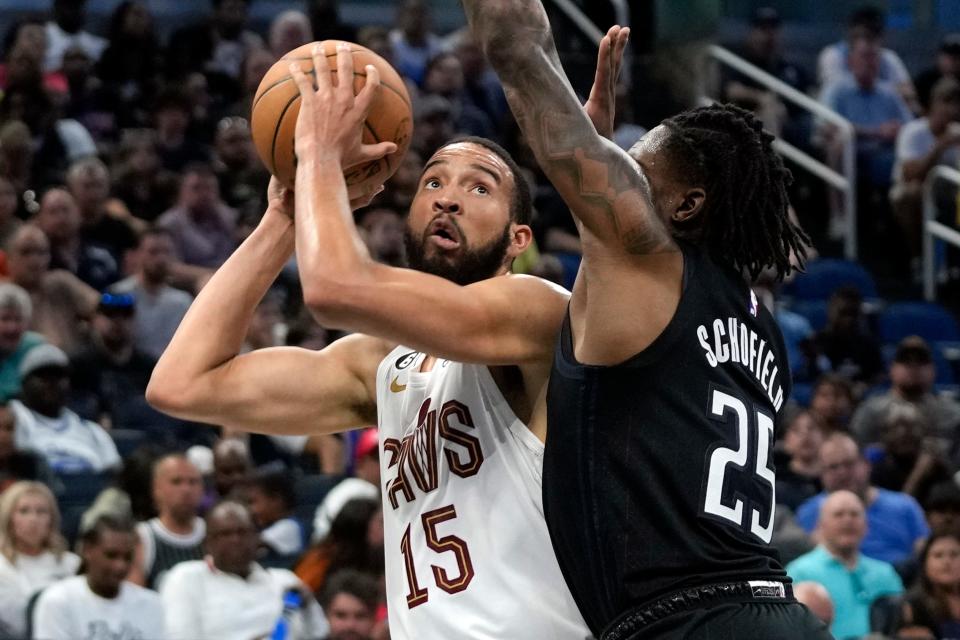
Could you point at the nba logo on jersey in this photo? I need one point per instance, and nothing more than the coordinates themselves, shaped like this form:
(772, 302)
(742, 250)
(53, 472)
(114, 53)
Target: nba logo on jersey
(754, 305)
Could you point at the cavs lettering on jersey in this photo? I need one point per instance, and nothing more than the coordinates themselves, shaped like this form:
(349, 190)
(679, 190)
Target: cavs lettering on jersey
(467, 549)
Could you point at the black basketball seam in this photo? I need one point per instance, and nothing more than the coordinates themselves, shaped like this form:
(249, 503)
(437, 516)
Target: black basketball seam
(282, 80)
(276, 130)
(376, 140)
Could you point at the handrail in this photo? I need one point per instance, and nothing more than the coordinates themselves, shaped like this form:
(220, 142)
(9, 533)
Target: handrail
(848, 181)
(933, 228)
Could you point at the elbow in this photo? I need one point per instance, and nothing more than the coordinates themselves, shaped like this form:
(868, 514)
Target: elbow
(328, 301)
(166, 393)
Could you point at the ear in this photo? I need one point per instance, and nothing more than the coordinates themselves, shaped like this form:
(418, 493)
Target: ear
(691, 205)
(521, 237)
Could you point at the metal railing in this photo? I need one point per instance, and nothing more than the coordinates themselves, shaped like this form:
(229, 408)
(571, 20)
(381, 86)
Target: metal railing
(935, 230)
(845, 182)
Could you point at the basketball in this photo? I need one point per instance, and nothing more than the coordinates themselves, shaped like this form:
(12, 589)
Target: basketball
(276, 105)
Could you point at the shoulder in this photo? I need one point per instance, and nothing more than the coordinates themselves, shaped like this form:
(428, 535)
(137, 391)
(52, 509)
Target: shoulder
(896, 500)
(140, 596)
(63, 591)
(284, 577)
(185, 573)
(882, 573)
(810, 561)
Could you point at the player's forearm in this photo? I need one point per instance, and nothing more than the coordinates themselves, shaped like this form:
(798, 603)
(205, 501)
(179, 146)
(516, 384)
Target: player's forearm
(213, 331)
(507, 30)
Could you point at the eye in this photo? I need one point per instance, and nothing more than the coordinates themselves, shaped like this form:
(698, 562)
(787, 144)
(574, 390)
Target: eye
(481, 189)
(432, 183)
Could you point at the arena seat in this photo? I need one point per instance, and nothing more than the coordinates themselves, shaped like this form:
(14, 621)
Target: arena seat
(311, 490)
(815, 311)
(79, 490)
(127, 440)
(823, 276)
(926, 319)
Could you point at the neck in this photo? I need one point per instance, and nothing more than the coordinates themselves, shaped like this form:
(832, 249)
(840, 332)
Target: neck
(151, 285)
(176, 524)
(846, 556)
(937, 125)
(32, 551)
(243, 573)
(908, 395)
(45, 410)
(104, 591)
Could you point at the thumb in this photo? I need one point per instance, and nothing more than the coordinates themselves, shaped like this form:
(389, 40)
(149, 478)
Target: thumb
(376, 151)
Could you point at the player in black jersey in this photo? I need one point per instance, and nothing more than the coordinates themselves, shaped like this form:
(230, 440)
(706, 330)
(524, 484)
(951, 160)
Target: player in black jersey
(669, 376)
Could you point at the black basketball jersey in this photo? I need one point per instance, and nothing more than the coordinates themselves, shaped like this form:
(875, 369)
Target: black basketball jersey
(658, 472)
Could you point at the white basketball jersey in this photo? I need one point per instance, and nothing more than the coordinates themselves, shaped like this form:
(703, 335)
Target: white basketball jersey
(467, 549)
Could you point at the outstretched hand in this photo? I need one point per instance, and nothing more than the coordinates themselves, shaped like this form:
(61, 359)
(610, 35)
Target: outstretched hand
(601, 105)
(331, 118)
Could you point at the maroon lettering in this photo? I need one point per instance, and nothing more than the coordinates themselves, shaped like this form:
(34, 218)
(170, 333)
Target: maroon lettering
(474, 455)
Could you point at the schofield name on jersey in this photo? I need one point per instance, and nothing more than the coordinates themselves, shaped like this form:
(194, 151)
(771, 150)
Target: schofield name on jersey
(733, 341)
(416, 458)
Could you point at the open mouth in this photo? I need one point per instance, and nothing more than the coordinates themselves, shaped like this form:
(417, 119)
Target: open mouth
(444, 235)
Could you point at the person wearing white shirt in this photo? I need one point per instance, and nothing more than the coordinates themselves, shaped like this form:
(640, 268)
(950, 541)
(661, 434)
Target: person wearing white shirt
(228, 596)
(366, 485)
(33, 554)
(69, 443)
(101, 605)
(66, 30)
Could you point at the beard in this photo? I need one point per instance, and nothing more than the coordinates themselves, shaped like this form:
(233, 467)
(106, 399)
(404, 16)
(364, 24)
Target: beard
(472, 265)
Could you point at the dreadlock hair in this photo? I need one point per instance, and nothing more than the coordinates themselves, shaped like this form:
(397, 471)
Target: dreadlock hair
(745, 222)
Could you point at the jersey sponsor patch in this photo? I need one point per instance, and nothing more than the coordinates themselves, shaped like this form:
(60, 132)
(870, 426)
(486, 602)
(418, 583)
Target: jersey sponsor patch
(765, 589)
(406, 360)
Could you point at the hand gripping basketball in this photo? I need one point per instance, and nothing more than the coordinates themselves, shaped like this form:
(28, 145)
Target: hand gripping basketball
(330, 121)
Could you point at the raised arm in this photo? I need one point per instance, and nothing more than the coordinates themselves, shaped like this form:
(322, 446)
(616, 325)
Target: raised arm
(602, 185)
(502, 320)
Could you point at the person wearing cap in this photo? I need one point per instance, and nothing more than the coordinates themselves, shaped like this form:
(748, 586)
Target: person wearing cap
(912, 374)
(365, 485)
(947, 66)
(921, 145)
(44, 423)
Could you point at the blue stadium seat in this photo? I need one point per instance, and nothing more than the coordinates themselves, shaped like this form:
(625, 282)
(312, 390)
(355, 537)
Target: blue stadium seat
(802, 393)
(311, 490)
(815, 311)
(926, 319)
(79, 492)
(127, 440)
(823, 276)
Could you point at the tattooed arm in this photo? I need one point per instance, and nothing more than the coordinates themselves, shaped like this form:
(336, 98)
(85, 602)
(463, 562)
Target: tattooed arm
(602, 185)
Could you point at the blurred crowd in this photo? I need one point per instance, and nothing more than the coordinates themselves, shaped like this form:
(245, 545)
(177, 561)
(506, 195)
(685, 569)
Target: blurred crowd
(128, 175)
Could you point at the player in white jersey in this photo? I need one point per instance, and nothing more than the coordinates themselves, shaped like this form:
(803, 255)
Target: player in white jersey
(467, 550)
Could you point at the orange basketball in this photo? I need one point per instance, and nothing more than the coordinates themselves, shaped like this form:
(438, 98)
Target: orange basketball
(277, 102)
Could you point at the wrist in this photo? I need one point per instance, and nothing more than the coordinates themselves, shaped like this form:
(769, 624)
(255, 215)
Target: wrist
(314, 154)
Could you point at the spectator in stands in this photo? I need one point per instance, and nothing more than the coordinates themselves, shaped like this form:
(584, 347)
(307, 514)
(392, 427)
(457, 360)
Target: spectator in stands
(24, 51)
(443, 77)
(59, 219)
(909, 463)
(832, 402)
(69, 443)
(140, 182)
(9, 222)
(865, 25)
(383, 229)
(159, 307)
(62, 304)
(895, 522)
(351, 543)
(912, 374)
(481, 87)
(16, 464)
(815, 597)
(130, 64)
(366, 484)
(15, 340)
(88, 181)
(350, 603)
(89, 102)
(16, 160)
(176, 534)
(195, 593)
(216, 45)
(272, 499)
(231, 466)
(947, 66)
(403, 185)
(110, 376)
(33, 553)
(66, 30)
(255, 66)
(762, 48)
(288, 31)
(173, 115)
(412, 41)
(325, 21)
(100, 603)
(434, 122)
(201, 225)
(242, 176)
(798, 475)
(852, 353)
(921, 145)
(876, 111)
(853, 579)
(942, 506)
(933, 605)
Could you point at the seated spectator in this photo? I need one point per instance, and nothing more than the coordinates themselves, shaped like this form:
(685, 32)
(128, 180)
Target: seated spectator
(16, 465)
(88, 181)
(172, 115)
(412, 41)
(443, 77)
(350, 602)
(216, 45)
(942, 506)
(69, 443)
(366, 484)
(933, 605)
(912, 374)
(89, 102)
(798, 476)
(232, 465)
(947, 66)
(815, 597)
(130, 63)
(867, 25)
(852, 579)
(852, 353)
(272, 499)
(176, 534)
(230, 595)
(9, 222)
(908, 463)
(201, 225)
(255, 66)
(62, 304)
(895, 522)
(59, 219)
(832, 402)
(66, 30)
(139, 181)
(921, 145)
(24, 51)
(383, 233)
(33, 553)
(15, 340)
(16, 158)
(352, 543)
(288, 31)
(875, 109)
(481, 86)
(100, 603)
(243, 178)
